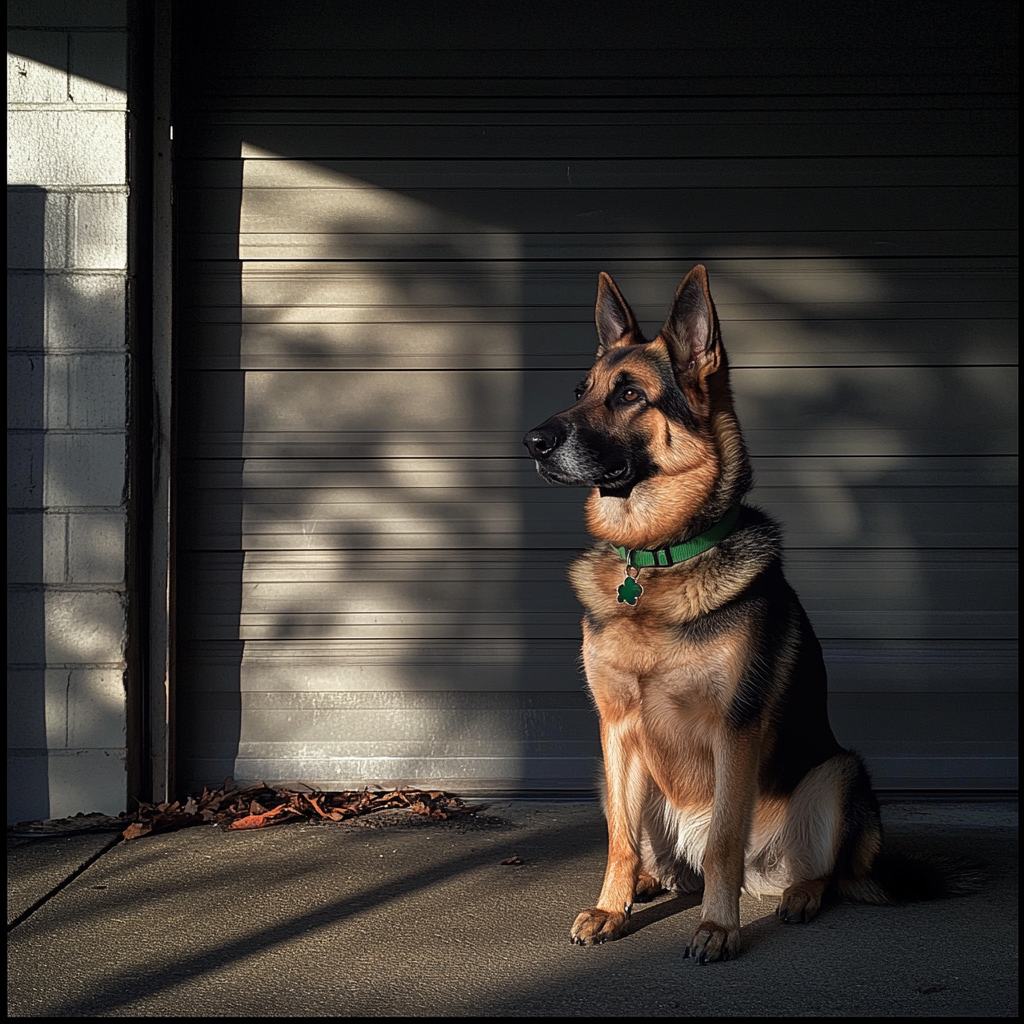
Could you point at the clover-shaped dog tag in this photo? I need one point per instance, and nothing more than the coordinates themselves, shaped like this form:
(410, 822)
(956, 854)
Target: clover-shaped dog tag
(630, 590)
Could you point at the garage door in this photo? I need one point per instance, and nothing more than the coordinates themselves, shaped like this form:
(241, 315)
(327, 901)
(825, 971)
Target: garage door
(390, 224)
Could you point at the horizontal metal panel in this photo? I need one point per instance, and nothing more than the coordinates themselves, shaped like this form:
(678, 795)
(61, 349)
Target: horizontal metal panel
(486, 746)
(784, 410)
(675, 135)
(504, 101)
(562, 776)
(804, 282)
(461, 775)
(209, 179)
(337, 476)
(472, 674)
(925, 723)
(411, 670)
(848, 594)
(681, 247)
(333, 339)
(469, 453)
(577, 65)
(965, 773)
(781, 312)
(817, 511)
(871, 718)
(284, 216)
(550, 41)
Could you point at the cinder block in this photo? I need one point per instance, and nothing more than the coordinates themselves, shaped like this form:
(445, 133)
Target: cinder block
(99, 235)
(98, 67)
(26, 384)
(96, 552)
(84, 708)
(25, 325)
(56, 370)
(55, 547)
(96, 714)
(56, 392)
(37, 63)
(24, 547)
(85, 781)
(84, 627)
(85, 311)
(84, 147)
(26, 633)
(37, 229)
(26, 708)
(26, 228)
(58, 682)
(73, 13)
(96, 391)
(84, 469)
(28, 785)
(25, 470)
(56, 230)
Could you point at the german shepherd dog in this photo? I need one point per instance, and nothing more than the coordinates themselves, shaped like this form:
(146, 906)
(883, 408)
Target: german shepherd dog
(719, 759)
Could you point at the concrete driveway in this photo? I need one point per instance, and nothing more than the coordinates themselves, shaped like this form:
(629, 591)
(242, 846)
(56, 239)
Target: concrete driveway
(397, 916)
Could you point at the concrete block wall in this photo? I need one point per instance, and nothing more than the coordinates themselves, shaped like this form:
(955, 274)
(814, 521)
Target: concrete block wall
(67, 386)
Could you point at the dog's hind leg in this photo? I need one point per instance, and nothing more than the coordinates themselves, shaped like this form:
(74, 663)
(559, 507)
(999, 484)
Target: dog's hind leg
(832, 833)
(626, 788)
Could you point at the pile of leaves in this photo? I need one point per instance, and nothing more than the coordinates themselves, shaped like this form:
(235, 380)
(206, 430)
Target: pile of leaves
(260, 805)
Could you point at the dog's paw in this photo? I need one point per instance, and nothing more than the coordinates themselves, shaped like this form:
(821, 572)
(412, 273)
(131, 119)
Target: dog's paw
(647, 887)
(595, 926)
(801, 902)
(711, 942)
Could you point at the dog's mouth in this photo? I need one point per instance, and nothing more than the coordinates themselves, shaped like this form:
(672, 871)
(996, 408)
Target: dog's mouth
(552, 475)
(616, 481)
(616, 472)
(613, 478)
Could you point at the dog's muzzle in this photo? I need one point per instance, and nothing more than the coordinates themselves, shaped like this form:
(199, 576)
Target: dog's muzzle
(557, 455)
(567, 454)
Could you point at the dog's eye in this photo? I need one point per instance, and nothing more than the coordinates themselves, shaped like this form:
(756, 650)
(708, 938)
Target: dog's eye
(631, 395)
(581, 390)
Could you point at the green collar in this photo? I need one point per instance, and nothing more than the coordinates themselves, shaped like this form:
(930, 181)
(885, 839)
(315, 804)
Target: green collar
(663, 557)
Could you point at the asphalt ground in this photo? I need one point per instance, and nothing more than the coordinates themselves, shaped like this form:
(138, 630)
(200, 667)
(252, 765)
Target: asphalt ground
(401, 916)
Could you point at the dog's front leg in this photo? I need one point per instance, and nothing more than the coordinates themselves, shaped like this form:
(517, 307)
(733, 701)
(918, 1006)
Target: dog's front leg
(717, 937)
(625, 792)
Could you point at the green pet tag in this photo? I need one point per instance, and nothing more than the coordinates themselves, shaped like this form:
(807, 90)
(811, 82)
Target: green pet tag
(630, 591)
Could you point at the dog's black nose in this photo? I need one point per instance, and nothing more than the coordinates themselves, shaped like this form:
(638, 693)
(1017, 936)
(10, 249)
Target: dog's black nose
(541, 441)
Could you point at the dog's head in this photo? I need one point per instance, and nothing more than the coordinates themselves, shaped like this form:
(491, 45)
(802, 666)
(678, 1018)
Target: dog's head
(653, 429)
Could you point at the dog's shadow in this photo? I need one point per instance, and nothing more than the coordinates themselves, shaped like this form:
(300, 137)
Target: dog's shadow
(668, 905)
(662, 906)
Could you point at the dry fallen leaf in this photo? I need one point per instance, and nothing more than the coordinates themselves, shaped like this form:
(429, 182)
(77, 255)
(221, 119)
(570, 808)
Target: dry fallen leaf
(263, 819)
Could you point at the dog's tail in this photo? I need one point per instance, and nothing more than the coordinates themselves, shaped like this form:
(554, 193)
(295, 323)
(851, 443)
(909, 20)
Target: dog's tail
(911, 877)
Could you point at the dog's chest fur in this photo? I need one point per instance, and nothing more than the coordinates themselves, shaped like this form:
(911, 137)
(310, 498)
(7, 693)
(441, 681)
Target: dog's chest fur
(687, 637)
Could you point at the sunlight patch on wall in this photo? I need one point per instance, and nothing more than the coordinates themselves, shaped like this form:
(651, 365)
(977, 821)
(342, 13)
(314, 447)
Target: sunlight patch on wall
(382, 393)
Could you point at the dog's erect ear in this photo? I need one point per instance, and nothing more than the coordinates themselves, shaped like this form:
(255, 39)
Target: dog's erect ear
(616, 324)
(691, 330)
